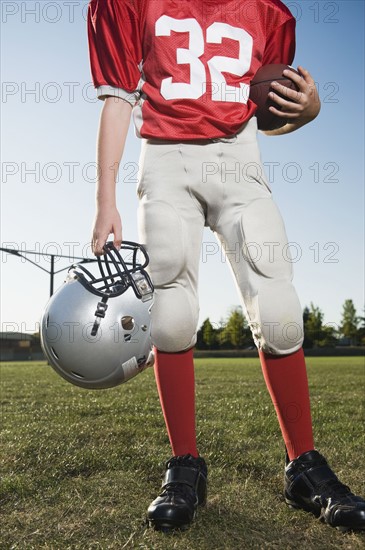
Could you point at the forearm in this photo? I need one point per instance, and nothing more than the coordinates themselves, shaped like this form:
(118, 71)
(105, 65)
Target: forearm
(112, 134)
(286, 129)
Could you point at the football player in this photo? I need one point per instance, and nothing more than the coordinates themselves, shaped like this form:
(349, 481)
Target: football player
(183, 69)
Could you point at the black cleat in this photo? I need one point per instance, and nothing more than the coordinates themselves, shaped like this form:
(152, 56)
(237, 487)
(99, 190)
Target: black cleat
(184, 488)
(311, 485)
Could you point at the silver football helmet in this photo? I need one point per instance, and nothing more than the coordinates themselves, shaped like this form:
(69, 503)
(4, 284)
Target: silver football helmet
(95, 330)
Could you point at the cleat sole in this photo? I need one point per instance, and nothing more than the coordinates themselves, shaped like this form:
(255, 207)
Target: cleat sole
(167, 527)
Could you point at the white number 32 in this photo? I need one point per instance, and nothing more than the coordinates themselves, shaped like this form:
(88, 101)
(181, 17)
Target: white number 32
(197, 86)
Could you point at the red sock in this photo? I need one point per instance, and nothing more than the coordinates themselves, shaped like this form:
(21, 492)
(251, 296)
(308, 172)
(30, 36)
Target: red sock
(286, 380)
(174, 374)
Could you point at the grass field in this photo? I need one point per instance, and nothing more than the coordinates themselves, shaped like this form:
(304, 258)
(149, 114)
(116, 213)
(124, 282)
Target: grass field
(79, 468)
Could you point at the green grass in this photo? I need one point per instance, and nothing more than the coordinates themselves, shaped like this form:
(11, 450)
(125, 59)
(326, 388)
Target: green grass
(79, 468)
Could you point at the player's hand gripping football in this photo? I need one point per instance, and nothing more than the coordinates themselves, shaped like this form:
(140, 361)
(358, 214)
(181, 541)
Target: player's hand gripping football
(301, 106)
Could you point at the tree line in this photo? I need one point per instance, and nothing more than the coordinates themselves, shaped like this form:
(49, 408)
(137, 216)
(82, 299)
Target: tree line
(234, 332)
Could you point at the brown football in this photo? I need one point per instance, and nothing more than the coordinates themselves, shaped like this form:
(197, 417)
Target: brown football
(259, 90)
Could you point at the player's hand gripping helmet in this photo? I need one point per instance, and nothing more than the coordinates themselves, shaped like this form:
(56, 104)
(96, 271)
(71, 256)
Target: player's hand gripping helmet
(95, 331)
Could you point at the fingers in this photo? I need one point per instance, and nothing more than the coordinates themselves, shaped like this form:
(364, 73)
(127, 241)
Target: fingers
(97, 244)
(286, 108)
(284, 114)
(311, 89)
(303, 81)
(101, 232)
(295, 77)
(117, 231)
(117, 241)
(306, 76)
(293, 104)
(292, 95)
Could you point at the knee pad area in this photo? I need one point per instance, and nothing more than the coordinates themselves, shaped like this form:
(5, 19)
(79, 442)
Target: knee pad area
(162, 231)
(174, 319)
(276, 318)
(264, 239)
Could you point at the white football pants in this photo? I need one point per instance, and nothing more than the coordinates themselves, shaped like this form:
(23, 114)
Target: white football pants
(184, 186)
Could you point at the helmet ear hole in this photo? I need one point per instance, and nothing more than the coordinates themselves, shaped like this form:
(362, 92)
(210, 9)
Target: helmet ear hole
(128, 322)
(47, 321)
(127, 337)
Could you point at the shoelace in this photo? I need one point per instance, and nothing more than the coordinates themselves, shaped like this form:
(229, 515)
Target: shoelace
(333, 488)
(182, 460)
(186, 460)
(179, 489)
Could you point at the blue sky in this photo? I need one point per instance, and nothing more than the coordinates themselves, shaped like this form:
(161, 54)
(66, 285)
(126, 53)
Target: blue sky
(49, 123)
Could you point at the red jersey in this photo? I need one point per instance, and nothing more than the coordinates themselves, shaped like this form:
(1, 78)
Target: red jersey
(186, 65)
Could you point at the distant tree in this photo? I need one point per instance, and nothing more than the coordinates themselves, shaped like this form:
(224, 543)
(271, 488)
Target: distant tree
(306, 314)
(361, 331)
(313, 325)
(208, 334)
(308, 342)
(199, 338)
(349, 321)
(235, 329)
(316, 334)
(328, 336)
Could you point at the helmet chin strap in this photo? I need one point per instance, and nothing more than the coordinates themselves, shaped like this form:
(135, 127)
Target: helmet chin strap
(101, 308)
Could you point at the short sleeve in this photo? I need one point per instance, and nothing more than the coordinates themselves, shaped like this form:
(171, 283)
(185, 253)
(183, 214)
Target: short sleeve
(114, 48)
(280, 44)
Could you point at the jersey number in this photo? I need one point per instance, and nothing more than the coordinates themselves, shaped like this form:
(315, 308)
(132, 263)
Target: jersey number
(197, 86)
